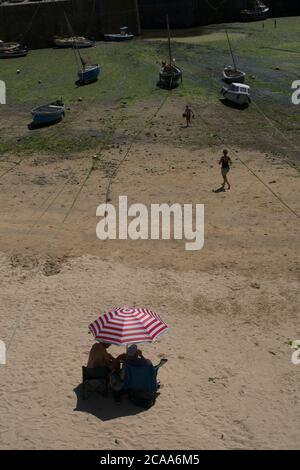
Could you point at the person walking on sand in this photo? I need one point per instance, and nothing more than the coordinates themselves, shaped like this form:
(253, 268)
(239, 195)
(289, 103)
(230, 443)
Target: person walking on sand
(188, 114)
(225, 162)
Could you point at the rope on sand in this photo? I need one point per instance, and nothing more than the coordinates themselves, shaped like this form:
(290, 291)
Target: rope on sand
(253, 173)
(21, 316)
(19, 319)
(136, 135)
(271, 123)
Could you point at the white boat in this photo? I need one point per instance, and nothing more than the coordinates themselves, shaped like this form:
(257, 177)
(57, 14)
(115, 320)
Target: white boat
(237, 93)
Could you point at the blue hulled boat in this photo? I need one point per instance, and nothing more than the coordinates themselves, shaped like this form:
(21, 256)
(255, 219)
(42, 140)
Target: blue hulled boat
(124, 35)
(48, 113)
(89, 74)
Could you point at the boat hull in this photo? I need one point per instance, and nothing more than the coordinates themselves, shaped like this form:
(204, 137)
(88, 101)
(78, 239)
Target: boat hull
(89, 75)
(118, 37)
(255, 15)
(61, 44)
(170, 79)
(47, 114)
(238, 77)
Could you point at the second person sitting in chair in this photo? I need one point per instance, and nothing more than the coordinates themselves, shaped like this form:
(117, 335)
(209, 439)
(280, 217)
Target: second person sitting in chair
(135, 356)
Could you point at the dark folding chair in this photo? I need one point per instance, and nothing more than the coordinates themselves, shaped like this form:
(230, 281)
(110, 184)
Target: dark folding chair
(97, 373)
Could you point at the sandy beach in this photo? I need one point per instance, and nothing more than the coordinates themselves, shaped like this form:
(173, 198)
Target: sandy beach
(232, 307)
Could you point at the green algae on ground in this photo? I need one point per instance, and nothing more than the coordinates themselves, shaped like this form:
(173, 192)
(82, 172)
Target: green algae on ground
(129, 74)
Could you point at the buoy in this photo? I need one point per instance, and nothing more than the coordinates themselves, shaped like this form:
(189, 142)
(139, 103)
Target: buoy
(80, 99)
(18, 71)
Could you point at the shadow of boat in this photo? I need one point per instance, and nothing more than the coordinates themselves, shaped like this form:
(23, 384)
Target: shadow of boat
(164, 86)
(230, 104)
(33, 125)
(79, 83)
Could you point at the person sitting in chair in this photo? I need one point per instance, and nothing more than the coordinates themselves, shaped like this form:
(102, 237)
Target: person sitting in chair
(99, 357)
(138, 375)
(135, 357)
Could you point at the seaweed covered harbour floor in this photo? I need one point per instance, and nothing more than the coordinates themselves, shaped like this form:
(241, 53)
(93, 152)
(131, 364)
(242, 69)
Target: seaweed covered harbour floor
(129, 73)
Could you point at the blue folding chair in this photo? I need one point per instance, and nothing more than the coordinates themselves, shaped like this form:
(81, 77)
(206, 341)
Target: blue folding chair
(141, 383)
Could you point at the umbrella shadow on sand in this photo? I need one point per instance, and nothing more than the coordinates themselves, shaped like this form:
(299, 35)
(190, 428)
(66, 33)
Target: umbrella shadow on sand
(104, 408)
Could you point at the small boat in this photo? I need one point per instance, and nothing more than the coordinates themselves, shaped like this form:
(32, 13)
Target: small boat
(232, 75)
(124, 35)
(237, 93)
(48, 113)
(258, 13)
(80, 42)
(13, 53)
(6, 46)
(170, 74)
(89, 74)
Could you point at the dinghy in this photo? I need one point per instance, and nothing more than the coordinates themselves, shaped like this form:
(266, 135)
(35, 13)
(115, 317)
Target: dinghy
(48, 113)
(5, 46)
(231, 74)
(237, 93)
(12, 53)
(170, 74)
(124, 35)
(80, 42)
(89, 74)
(258, 13)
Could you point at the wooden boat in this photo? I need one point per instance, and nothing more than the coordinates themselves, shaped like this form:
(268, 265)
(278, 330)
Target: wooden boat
(89, 74)
(48, 113)
(170, 75)
(237, 93)
(231, 74)
(258, 13)
(13, 53)
(124, 35)
(79, 42)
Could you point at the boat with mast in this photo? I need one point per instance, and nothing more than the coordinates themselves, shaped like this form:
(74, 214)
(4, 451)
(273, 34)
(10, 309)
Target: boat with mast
(88, 72)
(231, 74)
(170, 74)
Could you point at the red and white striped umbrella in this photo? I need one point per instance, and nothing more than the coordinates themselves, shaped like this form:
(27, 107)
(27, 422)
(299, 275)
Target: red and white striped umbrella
(128, 325)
